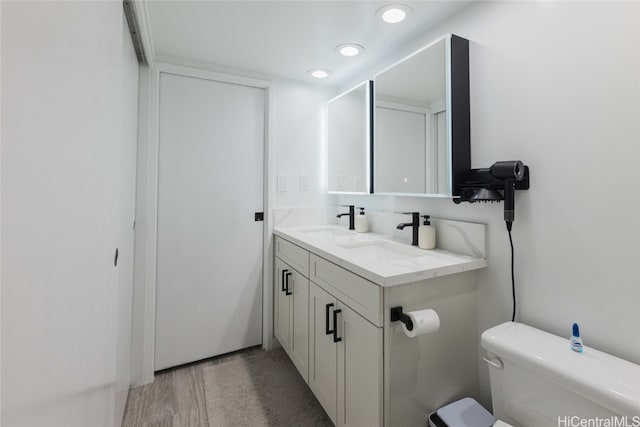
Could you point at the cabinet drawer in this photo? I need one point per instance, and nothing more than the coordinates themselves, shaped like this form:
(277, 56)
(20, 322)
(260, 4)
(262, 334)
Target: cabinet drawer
(293, 255)
(361, 295)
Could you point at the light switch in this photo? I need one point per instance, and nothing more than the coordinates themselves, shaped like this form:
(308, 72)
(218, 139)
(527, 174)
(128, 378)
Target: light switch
(281, 184)
(304, 183)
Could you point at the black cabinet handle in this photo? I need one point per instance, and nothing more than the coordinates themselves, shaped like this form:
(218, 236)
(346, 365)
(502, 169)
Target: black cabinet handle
(286, 279)
(335, 326)
(326, 319)
(284, 271)
(115, 258)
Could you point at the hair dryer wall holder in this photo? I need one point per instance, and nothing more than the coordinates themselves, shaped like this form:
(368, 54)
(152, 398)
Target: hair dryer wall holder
(483, 187)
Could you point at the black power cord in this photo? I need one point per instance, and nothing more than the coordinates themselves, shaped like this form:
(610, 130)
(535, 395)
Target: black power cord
(513, 279)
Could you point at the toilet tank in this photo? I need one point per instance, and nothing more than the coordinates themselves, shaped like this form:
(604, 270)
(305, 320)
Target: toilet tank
(536, 380)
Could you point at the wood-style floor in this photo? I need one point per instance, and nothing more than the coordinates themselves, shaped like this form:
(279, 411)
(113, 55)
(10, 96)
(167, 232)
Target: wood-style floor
(175, 398)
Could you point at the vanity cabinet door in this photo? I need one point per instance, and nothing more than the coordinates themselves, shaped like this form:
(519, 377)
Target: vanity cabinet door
(299, 329)
(291, 315)
(282, 316)
(322, 349)
(360, 388)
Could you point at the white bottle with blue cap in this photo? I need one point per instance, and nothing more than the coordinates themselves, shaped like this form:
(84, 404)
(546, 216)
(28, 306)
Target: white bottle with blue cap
(576, 341)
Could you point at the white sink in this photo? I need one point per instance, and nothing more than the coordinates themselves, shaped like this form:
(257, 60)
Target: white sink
(379, 258)
(379, 250)
(326, 232)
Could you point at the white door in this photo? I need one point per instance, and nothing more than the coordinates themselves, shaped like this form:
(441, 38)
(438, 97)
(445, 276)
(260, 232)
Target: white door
(210, 182)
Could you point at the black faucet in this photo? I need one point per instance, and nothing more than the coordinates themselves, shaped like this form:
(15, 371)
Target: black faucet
(415, 216)
(352, 216)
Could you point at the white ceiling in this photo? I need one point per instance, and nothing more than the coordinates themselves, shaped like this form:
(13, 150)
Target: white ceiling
(286, 38)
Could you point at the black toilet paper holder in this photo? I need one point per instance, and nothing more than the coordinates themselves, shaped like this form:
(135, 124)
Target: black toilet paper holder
(397, 314)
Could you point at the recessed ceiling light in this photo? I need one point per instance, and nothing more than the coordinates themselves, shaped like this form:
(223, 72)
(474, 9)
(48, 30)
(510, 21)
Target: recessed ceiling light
(393, 13)
(319, 73)
(349, 49)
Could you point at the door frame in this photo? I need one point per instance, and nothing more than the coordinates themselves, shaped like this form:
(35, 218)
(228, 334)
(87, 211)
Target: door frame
(147, 232)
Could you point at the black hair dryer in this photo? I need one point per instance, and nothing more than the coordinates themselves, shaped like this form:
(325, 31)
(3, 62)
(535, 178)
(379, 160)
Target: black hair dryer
(483, 185)
(510, 172)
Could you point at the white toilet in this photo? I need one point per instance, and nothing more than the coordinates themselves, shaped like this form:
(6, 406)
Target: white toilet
(537, 381)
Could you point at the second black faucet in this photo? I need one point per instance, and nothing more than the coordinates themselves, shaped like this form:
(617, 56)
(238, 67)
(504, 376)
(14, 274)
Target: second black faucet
(415, 223)
(352, 216)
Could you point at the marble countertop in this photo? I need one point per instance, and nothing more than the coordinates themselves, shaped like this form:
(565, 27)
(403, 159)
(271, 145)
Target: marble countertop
(376, 257)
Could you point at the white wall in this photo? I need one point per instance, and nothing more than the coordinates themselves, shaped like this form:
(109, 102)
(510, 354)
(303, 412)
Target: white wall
(299, 142)
(66, 67)
(1, 67)
(557, 85)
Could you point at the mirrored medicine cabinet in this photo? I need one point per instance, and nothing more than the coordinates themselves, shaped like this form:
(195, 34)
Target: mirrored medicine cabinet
(349, 140)
(420, 138)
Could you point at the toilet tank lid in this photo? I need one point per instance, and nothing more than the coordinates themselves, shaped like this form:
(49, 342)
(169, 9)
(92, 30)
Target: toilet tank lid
(600, 377)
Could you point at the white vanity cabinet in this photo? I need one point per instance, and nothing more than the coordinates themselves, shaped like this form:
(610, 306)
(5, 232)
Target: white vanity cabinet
(291, 305)
(362, 367)
(346, 342)
(345, 361)
(359, 371)
(328, 328)
(323, 360)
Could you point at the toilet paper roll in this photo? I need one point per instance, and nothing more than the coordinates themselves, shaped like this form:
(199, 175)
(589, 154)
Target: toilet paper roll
(424, 322)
